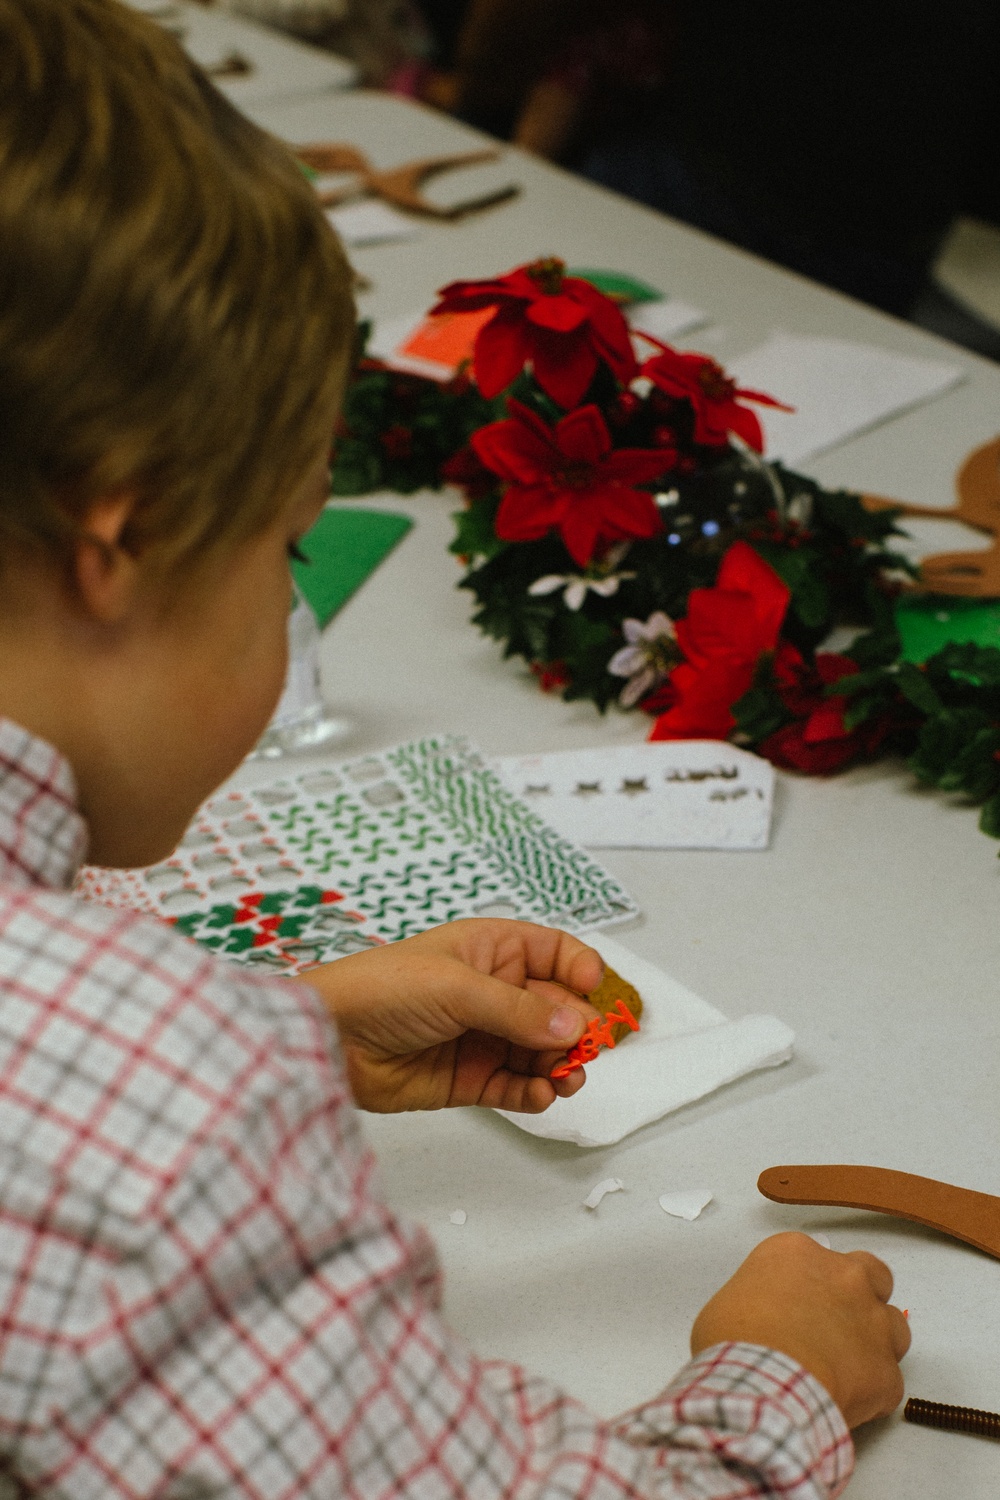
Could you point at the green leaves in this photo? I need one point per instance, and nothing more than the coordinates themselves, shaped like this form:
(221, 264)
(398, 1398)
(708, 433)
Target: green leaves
(953, 704)
(956, 751)
(760, 711)
(989, 818)
(397, 430)
(475, 534)
(963, 672)
(913, 684)
(803, 572)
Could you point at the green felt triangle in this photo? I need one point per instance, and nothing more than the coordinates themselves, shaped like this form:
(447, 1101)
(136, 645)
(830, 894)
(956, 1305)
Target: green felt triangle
(343, 548)
(616, 284)
(925, 624)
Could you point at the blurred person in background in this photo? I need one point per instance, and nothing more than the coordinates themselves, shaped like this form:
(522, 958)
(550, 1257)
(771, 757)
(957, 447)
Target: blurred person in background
(839, 141)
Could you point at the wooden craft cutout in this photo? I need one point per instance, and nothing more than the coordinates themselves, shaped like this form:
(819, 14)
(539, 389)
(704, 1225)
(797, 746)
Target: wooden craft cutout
(959, 1212)
(969, 575)
(400, 186)
(233, 65)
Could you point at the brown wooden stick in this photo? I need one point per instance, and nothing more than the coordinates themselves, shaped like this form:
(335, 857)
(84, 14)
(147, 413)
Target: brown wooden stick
(959, 1212)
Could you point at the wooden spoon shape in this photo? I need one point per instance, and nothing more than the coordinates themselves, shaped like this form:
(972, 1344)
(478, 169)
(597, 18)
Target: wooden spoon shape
(959, 1212)
(970, 575)
(402, 185)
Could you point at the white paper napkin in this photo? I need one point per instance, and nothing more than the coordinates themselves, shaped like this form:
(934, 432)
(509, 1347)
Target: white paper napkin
(671, 794)
(838, 389)
(685, 1049)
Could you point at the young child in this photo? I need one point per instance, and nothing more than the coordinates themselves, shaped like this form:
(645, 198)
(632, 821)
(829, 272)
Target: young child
(202, 1292)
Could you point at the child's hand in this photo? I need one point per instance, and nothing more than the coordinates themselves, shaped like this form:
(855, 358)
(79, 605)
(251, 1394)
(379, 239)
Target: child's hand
(829, 1311)
(476, 1012)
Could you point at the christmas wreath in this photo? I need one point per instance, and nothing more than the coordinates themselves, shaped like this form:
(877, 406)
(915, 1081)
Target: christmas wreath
(625, 536)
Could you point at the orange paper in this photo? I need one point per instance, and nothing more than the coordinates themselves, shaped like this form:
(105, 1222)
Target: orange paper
(448, 339)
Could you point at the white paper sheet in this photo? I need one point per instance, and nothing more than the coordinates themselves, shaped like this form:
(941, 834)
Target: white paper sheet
(665, 319)
(672, 794)
(685, 1049)
(371, 223)
(838, 389)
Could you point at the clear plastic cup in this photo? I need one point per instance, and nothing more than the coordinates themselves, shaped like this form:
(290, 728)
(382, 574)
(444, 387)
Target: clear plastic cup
(301, 722)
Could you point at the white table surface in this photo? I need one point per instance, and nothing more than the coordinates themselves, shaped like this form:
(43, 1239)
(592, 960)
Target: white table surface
(282, 67)
(870, 926)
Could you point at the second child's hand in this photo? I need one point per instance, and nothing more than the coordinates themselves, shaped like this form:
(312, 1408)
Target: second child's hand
(475, 1012)
(830, 1311)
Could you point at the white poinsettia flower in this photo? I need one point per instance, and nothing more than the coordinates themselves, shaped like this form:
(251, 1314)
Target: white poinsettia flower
(648, 657)
(575, 586)
(800, 509)
(548, 584)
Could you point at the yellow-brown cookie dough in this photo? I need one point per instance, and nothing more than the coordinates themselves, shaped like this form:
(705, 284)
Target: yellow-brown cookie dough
(611, 989)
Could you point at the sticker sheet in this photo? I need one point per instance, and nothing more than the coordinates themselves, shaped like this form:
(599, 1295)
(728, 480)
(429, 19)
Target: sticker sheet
(675, 794)
(338, 858)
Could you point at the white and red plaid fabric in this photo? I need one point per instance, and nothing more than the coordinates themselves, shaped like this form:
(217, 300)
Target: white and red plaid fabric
(202, 1293)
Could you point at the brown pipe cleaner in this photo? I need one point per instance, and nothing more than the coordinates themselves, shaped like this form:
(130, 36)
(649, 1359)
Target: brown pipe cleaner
(952, 1418)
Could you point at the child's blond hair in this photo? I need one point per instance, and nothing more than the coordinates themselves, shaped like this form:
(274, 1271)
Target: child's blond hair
(175, 313)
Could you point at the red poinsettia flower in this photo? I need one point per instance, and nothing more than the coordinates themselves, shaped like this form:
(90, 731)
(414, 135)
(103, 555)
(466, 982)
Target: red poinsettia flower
(714, 396)
(561, 323)
(722, 636)
(569, 477)
(818, 741)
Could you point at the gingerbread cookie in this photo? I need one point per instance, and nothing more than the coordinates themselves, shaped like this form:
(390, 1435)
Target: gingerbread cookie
(611, 989)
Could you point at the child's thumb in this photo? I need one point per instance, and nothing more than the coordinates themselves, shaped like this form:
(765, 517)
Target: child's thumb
(544, 1017)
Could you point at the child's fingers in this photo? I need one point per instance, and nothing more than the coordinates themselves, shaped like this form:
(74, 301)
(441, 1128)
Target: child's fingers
(516, 951)
(878, 1273)
(565, 960)
(525, 1096)
(572, 1083)
(544, 1018)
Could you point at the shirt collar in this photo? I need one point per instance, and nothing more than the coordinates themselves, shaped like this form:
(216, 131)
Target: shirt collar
(43, 838)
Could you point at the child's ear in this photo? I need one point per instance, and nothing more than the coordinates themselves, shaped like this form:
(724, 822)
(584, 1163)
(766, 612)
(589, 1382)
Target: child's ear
(105, 569)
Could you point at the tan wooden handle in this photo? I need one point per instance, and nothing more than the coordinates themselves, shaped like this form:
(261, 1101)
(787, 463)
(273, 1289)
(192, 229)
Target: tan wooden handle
(969, 575)
(959, 1212)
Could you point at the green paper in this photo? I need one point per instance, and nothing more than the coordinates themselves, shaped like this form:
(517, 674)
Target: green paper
(619, 286)
(343, 548)
(926, 624)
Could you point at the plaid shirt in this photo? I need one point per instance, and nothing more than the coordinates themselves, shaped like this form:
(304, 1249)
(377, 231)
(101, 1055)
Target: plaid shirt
(202, 1292)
